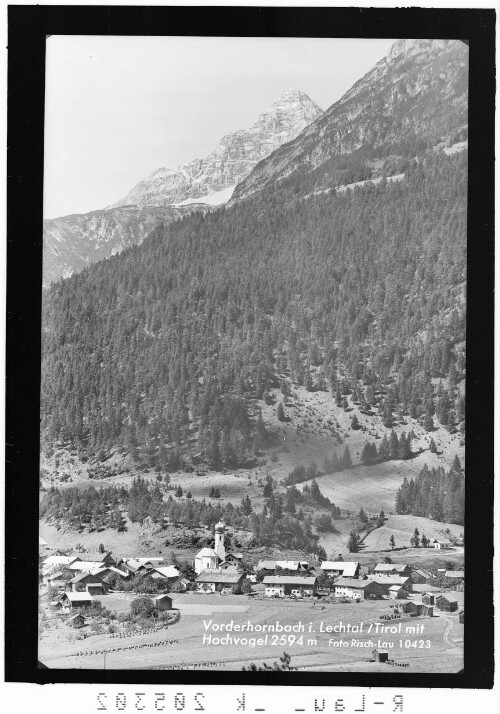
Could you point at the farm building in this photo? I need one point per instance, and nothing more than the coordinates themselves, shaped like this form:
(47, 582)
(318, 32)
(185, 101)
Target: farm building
(59, 560)
(412, 608)
(441, 544)
(427, 611)
(271, 566)
(219, 581)
(206, 559)
(77, 620)
(446, 605)
(230, 566)
(420, 575)
(401, 569)
(163, 602)
(168, 574)
(341, 568)
(428, 598)
(358, 589)
(81, 582)
(233, 559)
(454, 576)
(387, 581)
(85, 565)
(294, 585)
(43, 546)
(72, 601)
(106, 559)
(398, 592)
(380, 655)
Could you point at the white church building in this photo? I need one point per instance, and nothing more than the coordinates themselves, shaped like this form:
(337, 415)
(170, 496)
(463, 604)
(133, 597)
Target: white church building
(211, 558)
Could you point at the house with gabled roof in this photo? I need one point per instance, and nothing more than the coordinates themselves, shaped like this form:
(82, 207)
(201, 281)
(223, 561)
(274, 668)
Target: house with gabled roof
(401, 569)
(292, 585)
(358, 589)
(344, 569)
(218, 581)
(71, 601)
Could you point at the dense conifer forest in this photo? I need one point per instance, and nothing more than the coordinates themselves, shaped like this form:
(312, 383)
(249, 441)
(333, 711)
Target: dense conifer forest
(164, 351)
(435, 493)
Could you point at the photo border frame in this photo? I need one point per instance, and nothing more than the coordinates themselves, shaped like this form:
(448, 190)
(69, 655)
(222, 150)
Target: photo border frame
(28, 28)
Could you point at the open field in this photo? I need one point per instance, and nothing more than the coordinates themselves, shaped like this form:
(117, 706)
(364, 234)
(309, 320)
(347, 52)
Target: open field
(402, 527)
(202, 615)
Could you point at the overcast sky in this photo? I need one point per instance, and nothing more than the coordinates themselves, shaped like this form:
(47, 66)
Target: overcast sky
(117, 108)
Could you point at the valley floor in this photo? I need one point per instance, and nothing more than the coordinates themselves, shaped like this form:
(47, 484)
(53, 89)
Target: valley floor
(437, 648)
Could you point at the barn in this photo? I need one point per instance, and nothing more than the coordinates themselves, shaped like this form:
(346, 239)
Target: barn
(72, 601)
(446, 605)
(77, 620)
(401, 569)
(412, 608)
(380, 655)
(220, 581)
(163, 602)
(428, 598)
(398, 592)
(358, 589)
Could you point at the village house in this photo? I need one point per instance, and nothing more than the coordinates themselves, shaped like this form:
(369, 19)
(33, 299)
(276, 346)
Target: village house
(234, 559)
(401, 569)
(340, 568)
(412, 608)
(358, 589)
(292, 585)
(441, 544)
(428, 598)
(81, 582)
(420, 576)
(59, 560)
(58, 579)
(43, 546)
(72, 601)
(85, 565)
(271, 567)
(398, 592)
(387, 581)
(77, 620)
(454, 576)
(162, 602)
(446, 604)
(165, 574)
(217, 581)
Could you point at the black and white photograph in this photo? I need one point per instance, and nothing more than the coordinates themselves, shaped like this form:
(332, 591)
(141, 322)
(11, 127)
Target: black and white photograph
(254, 354)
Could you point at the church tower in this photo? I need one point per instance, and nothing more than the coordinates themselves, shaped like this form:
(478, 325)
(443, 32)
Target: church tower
(219, 541)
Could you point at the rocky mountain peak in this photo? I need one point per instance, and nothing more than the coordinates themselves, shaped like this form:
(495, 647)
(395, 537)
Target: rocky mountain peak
(233, 159)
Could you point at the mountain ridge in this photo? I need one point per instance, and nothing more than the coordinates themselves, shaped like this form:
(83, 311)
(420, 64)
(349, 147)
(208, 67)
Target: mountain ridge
(387, 105)
(74, 241)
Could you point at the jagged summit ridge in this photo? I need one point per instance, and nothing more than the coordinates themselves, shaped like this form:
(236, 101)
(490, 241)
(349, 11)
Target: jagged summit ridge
(233, 159)
(417, 96)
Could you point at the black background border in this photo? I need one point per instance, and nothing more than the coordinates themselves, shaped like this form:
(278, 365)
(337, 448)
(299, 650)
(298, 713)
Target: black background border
(28, 28)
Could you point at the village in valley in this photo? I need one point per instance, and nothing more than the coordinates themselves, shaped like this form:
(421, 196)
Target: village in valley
(100, 609)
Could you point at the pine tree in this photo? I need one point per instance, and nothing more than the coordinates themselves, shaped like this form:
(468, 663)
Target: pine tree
(432, 446)
(179, 492)
(346, 459)
(415, 539)
(355, 422)
(280, 412)
(392, 542)
(353, 543)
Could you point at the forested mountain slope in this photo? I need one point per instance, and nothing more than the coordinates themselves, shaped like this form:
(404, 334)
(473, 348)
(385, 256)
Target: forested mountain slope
(165, 350)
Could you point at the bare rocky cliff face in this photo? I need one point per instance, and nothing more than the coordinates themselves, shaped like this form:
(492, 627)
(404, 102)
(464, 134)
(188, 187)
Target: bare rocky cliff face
(232, 160)
(419, 91)
(71, 243)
